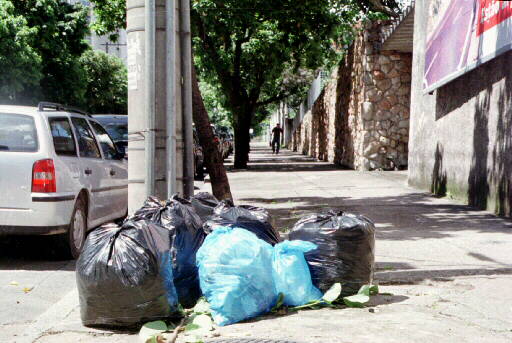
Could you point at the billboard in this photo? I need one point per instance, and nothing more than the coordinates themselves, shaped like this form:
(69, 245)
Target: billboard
(462, 34)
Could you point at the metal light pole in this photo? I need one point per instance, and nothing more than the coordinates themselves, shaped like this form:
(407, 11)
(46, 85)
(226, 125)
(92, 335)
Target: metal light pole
(186, 73)
(150, 19)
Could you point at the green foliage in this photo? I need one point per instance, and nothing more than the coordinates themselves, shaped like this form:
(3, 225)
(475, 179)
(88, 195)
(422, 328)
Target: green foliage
(110, 17)
(20, 64)
(214, 102)
(107, 83)
(59, 31)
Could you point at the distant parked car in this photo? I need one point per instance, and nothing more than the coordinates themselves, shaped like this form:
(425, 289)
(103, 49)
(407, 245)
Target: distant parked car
(117, 127)
(60, 174)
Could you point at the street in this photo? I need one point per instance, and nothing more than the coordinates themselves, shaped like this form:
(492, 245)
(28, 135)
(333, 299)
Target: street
(443, 268)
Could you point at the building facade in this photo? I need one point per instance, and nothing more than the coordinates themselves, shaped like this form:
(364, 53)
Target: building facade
(461, 133)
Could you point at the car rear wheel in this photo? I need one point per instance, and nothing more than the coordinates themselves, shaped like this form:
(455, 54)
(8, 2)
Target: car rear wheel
(73, 241)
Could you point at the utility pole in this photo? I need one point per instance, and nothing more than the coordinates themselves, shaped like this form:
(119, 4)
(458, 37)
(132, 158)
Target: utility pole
(159, 112)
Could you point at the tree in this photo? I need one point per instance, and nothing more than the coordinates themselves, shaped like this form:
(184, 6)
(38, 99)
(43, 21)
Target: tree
(107, 83)
(212, 157)
(20, 64)
(60, 31)
(247, 45)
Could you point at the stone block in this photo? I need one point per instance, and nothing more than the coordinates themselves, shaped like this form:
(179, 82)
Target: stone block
(396, 109)
(386, 68)
(402, 66)
(382, 115)
(384, 105)
(395, 57)
(382, 133)
(393, 73)
(384, 59)
(396, 80)
(378, 75)
(383, 85)
(403, 124)
(392, 99)
(393, 143)
(403, 131)
(385, 124)
(404, 89)
(371, 148)
(373, 95)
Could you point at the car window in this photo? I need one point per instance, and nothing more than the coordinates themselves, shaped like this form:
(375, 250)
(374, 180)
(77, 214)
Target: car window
(63, 138)
(17, 133)
(86, 142)
(106, 144)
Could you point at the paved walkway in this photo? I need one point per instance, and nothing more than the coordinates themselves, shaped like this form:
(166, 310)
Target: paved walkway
(447, 267)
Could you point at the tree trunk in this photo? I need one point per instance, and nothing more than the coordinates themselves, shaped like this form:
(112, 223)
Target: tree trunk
(212, 157)
(242, 125)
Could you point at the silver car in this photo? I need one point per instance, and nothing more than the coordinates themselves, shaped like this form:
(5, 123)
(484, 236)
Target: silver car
(60, 174)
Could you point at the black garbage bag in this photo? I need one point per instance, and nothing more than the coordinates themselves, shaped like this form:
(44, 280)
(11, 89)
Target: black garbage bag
(254, 219)
(204, 203)
(186, 236)
(346, 249)
(124, 275)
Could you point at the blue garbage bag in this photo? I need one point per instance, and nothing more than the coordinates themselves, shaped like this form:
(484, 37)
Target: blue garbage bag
(291, 273)
(235, 273)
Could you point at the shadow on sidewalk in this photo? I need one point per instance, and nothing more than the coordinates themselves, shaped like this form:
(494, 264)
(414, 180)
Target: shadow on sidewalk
(405, 217)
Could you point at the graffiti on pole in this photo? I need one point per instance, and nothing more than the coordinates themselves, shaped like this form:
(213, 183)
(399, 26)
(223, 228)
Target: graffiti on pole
(461, 35)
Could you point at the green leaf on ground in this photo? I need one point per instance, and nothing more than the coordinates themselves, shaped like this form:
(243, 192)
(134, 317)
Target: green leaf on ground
(369, 290)
(362, 296)
(357, 300)
(333, 293)
(280, 301)
(149, 332)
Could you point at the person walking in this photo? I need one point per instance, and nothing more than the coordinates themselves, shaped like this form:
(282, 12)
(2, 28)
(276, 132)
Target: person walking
(276, 138)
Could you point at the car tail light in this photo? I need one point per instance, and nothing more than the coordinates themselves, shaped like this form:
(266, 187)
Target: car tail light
(216, 140)
(43, 177)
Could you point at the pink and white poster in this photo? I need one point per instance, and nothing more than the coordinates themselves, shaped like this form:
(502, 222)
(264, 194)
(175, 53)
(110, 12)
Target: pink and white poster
(462, 34)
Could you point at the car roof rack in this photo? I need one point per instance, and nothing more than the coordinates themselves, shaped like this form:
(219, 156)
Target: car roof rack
(53, 106)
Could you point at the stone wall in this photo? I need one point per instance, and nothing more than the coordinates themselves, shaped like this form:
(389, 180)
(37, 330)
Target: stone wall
(361, 119)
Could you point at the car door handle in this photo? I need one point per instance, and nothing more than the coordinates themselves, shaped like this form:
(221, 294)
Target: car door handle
(88, 171)
(112, 172)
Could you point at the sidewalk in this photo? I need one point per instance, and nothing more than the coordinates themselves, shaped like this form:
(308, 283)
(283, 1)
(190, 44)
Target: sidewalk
(446, 266)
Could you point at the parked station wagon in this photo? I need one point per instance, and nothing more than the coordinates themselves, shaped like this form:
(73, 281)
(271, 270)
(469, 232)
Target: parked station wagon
(60, 174)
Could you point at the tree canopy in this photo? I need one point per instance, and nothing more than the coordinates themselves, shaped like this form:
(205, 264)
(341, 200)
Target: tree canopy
(19, 62)
(107, 83)
(60, 32)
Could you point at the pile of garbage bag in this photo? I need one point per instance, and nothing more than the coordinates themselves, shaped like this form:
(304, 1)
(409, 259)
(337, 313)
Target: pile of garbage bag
(170, 253)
